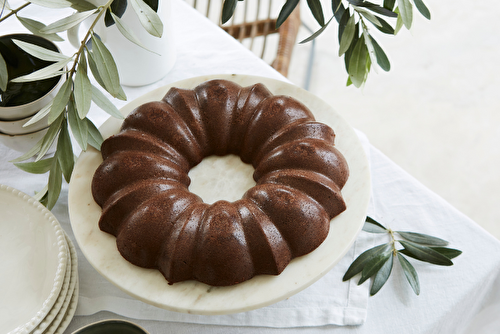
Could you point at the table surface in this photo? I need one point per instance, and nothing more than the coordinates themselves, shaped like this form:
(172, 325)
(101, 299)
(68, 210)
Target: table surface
(452, 298)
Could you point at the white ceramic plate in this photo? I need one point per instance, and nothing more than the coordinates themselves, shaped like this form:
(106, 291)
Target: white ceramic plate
(194, 297)
(57, 314)
(34, 256)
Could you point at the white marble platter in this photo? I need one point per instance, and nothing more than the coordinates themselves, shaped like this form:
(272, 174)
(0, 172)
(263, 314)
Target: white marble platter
(34, 257)
(193, 297)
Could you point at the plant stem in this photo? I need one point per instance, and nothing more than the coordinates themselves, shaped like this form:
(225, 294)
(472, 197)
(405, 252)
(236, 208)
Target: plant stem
(393, 241)
(14, 11)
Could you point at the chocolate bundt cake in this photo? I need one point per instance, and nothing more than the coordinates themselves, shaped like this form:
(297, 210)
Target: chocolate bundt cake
(142, 184)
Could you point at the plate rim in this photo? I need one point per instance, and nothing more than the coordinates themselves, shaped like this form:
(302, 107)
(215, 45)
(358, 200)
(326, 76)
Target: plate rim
(62, 256)
(235, 306)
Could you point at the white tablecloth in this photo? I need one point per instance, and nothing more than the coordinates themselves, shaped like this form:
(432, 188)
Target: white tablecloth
(451, 297)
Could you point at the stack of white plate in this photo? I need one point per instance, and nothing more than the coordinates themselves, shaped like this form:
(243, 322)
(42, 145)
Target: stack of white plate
(38, 268)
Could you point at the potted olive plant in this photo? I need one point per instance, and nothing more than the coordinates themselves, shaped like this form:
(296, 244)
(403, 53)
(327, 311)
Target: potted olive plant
(68, 110)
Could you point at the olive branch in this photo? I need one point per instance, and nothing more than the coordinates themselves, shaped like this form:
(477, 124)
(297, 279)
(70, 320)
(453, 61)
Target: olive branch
(69, 108)
(356, 44)
(377, 262)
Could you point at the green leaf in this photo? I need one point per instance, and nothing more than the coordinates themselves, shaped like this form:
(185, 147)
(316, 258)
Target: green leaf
(148, 18)
(50, 71)
(102, 102)
(382, 275)
(67, 22)
(347, 55)
(125, 31)
(64, 152)
(424, 253)
(36, 167)
(338, 9)
(382, 59)
(374, 265)
(423, 239)
(82, 91)
(389, 4)
(117, 8)
(55, 184)
(52, 3)
(35, 27)
(317, 11)
(357, 63)
(373, 226)
(49, 137)
(373, 7)
(370, 17)
(228, 10)
(450, 253)
(346, 16)
(385, 27)
(285, 11)
(410, 273)
(95, 138)
(41, 52)
(78, 126)
(81, 5)
(406, 12)
(359, 263)
(60, 100)
(422, 8)
(39, 115)
(105, 66)
(317, 33)
(347, 36)
(4, 74)
(41, 194)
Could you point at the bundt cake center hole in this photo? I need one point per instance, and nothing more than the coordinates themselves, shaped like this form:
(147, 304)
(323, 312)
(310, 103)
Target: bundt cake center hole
(221, 178)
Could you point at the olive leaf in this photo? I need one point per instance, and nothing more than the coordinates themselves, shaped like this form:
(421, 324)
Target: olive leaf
(148, 18)
(60, 100)
(4, 74)
(373, 7)
(50, 71)
(127, 33)
(41, 52)
(374, 265)
(410, 273)
(317, 11)
(421, 238)
(373, 226)
(82, 91)
(116, 9)
(31, 153)
(78, 126)
(406, 12)
(370, 17)
(35, 167)
(228, 9)
(382, 59)
(105, 66)
(55, 184)
(49, 137)
(450, 253)
(346, 16)
(422, 8)
(95, 138)
(347, 36)
(285, 11)
(389, 4)
(317, 33)
(102, 102)
(425, 253)
(35, 27)
(67, 22)
(338, 9)
(382, 275)
(399, 23)
(385, 27)
(359, 263)
(64, 152)
(52, 3)
(357, 63)
(41, 194)
(39, 115)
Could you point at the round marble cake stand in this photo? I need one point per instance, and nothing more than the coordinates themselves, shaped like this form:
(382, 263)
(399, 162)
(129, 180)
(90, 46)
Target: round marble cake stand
(193, 297)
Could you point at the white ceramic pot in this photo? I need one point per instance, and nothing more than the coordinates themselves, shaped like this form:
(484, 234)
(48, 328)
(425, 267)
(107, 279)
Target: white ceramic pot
(137, 66)
(16, 127)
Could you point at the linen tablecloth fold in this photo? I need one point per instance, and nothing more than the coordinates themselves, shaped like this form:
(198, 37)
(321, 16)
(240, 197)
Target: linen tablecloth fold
(329, 301)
